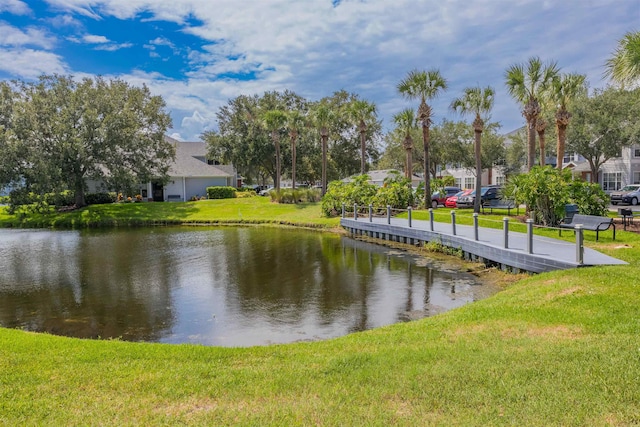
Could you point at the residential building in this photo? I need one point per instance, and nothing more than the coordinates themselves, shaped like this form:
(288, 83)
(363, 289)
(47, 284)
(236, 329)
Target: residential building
(189, 175)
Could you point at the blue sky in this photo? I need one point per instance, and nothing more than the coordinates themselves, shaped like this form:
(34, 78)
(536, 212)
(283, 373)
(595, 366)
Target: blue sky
(198, 54)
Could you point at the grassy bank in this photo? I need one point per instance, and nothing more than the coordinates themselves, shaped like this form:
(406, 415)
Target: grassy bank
(259, 210)
(558, 348)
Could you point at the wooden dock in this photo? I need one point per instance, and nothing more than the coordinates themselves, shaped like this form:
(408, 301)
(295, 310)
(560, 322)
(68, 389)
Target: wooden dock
(510, 253)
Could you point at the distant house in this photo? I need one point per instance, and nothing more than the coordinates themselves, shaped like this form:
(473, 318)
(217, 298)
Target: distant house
(189, 175)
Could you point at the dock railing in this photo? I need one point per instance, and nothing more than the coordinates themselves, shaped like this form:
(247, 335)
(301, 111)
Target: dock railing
(359, 212)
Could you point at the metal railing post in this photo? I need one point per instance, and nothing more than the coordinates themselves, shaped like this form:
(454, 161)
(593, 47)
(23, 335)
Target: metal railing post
(453, 222)
(388, 214)
(579, 244)
(505, 227)
(431, 218)
(409, 213)
(370, 212)
(355, 211)
(529, 236)
(475, 226)
(344, 210)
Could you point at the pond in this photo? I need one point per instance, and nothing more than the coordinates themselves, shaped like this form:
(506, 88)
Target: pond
(224, 286)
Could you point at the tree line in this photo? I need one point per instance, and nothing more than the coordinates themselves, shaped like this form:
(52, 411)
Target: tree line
(58, 133)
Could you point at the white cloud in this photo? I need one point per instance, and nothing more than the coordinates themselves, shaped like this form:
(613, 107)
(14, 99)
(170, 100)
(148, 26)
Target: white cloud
(30, 64)
(314, 48)
(15, 7)
(113, 47)
(66, 20)
(12, 36)
(93, 39)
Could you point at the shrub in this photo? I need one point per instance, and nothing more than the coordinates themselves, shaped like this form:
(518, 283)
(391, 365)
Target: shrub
(395, 192)
(221, 192)
(293, 196)
(100, 198)
(63, 198)
(546, 191)
(590, 198)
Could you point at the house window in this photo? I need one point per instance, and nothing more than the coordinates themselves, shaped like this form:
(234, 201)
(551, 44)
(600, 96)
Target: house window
(470, 182)
(611, 181)
(636, 152)
(636, 177)
(501, 180)
(458, 182)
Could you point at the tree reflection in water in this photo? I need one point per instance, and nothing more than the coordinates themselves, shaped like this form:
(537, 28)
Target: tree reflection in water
(229, 286)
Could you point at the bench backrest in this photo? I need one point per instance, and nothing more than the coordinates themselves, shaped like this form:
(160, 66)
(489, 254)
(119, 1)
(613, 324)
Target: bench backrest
(500, 202)
(590, 220)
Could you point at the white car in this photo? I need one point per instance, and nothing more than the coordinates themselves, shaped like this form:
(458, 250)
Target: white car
(628, 195)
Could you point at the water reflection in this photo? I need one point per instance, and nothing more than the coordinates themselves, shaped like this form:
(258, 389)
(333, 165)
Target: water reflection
(221, 286)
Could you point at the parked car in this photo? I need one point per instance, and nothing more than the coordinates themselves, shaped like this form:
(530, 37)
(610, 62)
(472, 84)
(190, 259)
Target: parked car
(486, 194)
(629, 195)
(452, 201)
(266, 191)
(439, 198)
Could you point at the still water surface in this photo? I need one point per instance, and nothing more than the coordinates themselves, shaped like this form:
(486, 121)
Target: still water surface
(216, 286)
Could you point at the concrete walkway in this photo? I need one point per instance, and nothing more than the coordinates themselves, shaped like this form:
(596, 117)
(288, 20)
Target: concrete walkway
(548, 254)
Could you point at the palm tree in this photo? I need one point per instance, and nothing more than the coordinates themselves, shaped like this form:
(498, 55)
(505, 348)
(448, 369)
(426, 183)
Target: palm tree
(295, 122)
(525, 83)
(363, 113)
(564, 90)
(406, 122)
(624, 65)
(479, 102)
(274, 121)
(423, 85)
(541, 127)
(322, 116)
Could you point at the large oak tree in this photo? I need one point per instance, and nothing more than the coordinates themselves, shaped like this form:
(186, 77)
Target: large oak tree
(69, 131)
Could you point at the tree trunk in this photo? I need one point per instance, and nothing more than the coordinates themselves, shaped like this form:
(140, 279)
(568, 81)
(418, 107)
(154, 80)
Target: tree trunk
(531, 152)
(363, 140)
(478, 126)
(276, 142)
(79, 193)
(541, 126)
(562, 121)
(427, 178)
(408, 167)
(531, 112)
(293, 162)
(323, 136)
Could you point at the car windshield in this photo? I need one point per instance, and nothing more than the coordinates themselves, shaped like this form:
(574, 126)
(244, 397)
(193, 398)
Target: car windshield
(630, 188)
(458, 194)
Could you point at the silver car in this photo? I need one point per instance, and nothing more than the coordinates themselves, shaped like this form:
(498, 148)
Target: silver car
(628, 195)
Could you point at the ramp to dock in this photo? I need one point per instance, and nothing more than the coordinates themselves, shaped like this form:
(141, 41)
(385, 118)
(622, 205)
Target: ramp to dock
(547, 254)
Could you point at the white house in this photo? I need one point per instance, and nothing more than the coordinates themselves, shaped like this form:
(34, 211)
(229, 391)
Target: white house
(189, 175)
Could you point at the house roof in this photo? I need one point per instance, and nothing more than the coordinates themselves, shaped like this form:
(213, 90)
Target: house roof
(191, 161)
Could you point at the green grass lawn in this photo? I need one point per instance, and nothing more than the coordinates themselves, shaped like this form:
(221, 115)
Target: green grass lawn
(559, 348)
(241, 210)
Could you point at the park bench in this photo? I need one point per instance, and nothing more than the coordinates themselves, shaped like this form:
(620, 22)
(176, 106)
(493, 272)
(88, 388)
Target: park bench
(589, 222)
(500, 204)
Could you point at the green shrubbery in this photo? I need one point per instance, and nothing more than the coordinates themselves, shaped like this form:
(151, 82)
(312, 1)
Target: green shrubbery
(100, 198)
(221, 192)
(395, 192)
(292, 196)
(33, 202)
(546, 191)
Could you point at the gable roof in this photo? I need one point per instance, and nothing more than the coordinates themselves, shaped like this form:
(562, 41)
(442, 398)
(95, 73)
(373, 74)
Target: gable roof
(191, 161)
